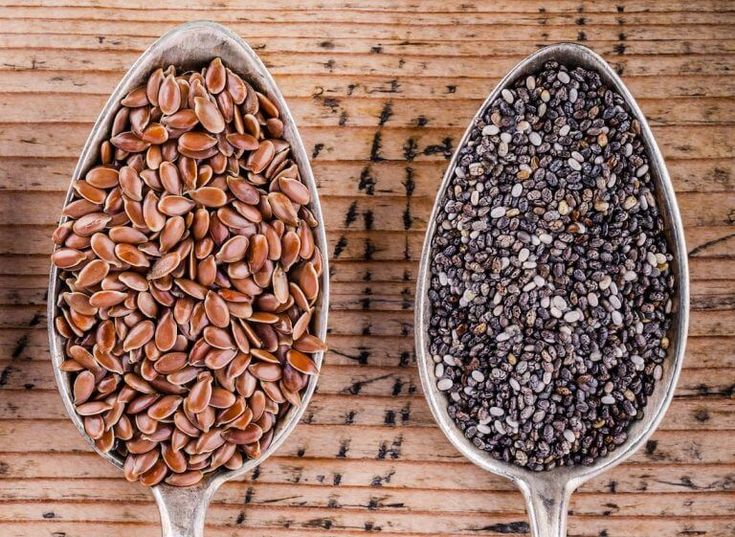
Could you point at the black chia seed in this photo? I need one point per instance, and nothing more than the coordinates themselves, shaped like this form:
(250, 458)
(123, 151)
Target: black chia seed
(550, 282)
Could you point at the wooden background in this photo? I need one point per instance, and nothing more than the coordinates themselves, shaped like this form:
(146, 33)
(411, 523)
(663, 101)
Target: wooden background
(381, 91)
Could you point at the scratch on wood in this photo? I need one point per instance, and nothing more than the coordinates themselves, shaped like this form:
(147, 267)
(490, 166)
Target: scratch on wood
(361, 358)
(317, 149)
(375, 155)
(340, 246)
(393, 87)
(379, 480)
(407, 218)
(365, 301)
(369, 250)
(406, 413)
(506, 528)
(385, 114)
(356, 387)
(367, 181)
(445, 148)
(394, 451)
(351, 215)
(707, 244)
(368, 219)
(409, 183)
(5, 374)
(410, 149)
(406, 299)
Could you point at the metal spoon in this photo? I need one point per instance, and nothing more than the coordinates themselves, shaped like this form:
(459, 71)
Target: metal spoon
(547, 493)
(193, 45)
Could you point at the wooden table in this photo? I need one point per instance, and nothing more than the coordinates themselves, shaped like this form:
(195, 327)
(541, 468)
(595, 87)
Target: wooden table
(382, 92)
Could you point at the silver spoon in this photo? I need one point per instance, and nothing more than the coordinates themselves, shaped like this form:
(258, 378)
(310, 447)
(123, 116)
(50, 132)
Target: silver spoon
(194, 45)
(547, 493)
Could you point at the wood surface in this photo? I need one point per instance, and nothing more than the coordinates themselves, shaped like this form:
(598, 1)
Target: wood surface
(382, 91)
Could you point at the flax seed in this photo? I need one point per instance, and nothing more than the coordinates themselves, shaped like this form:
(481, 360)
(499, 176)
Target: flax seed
(188, 288)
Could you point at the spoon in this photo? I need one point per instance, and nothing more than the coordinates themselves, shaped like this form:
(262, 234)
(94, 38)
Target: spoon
(547, 493)
(194, 45)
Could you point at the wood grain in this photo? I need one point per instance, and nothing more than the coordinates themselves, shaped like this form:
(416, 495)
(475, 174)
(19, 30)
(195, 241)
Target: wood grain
(382, 91)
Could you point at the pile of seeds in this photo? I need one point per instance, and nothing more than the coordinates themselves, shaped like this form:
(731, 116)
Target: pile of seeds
(189, 278)
(550, 280)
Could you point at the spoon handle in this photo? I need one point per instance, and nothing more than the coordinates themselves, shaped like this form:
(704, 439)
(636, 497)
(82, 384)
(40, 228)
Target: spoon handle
(183, 509)
(547, 505)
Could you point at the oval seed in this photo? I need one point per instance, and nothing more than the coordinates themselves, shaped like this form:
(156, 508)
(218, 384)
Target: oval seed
(216, 310)
(209, 196)
(216, 76)
(102, 177)
(208, 115)
(164, 407)
(84, 385)
(295, 190)
(200, 394)
(66, 258)
(301, 362)
(166, 332)
(92, 273)
(169, 95)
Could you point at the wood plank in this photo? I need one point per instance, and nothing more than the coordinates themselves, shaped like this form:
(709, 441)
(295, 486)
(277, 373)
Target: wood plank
(31, 344)
(427, 6)
(356, 499)
(373, 381)
(700, 141)
(390, 474)
(700, 413)
(372, 85)
(350, 295)
(361, 179)
(374, 272)
(347, 245)
(389, 213)
(464, 29)
(382, 442)
(491, 526)
(401, 47)
(396, 17)
(301, 63)
(375, 323)
(57, 110)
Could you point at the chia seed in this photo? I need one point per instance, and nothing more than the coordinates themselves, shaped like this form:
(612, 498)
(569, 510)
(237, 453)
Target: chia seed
(550, 283)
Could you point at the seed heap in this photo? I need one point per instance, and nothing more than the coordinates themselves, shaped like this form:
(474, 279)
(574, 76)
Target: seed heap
(190, 275)
(550, 280)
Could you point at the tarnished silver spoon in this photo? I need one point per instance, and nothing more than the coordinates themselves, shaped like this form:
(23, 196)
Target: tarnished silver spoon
(547, 493)
(193, 45)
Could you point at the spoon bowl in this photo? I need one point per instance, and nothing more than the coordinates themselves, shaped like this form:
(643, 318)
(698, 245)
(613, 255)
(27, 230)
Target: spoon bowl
(547, 493)
(191, 46)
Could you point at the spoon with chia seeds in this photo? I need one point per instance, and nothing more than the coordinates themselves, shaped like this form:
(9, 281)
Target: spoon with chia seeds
(552, 298)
